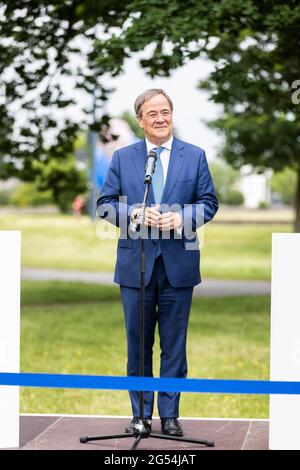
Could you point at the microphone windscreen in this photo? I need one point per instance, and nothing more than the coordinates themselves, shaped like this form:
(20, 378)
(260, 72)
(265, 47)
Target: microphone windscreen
(152, 154)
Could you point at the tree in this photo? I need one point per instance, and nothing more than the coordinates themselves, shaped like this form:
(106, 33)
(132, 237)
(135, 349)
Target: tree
(253, 80)
(63, 179)
(283, 184)
(254, 45)
(38, 40)
(28, 195)
(225, 177)
(133, 124)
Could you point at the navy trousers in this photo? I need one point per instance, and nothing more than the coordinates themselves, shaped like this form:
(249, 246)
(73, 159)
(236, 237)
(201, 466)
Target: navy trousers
(170, 308)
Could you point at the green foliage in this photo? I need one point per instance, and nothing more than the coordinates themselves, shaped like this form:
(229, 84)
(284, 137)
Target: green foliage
(133, 124)
(257, 64)
(284, 184)
(4, 197)
(63, 179)
(58, 182)
(27, 194)
(225, 177)
(234, 198)
(264, 205)
(37, 47)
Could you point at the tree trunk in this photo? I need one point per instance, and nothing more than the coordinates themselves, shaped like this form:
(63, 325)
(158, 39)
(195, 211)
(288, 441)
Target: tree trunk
(297, 205)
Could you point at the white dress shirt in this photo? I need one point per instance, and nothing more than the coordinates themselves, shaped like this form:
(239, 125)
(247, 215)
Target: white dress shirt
(164, 155)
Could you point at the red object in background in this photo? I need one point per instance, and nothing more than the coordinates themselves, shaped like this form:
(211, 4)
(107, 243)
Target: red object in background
(78, 205)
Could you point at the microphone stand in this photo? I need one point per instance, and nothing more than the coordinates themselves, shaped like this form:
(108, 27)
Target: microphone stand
(143, 431)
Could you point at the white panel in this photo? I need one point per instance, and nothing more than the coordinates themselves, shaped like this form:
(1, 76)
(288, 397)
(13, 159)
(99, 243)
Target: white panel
(10, 251)
(285, 339)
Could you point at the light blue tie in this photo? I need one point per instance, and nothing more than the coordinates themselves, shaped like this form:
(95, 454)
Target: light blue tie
(158, 177)
(158, 185)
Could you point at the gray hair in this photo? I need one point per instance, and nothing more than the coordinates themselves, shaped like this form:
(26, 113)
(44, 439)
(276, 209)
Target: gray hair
(146, 96)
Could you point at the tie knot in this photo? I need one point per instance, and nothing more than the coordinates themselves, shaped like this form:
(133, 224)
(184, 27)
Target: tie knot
(158, 150)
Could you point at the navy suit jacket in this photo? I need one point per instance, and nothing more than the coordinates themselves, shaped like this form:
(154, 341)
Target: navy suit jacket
(188, 187)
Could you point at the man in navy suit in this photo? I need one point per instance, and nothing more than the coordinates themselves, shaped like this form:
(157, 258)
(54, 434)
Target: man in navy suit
(181, 198)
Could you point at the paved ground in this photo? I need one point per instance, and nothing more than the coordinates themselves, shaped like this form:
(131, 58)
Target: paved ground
(44, 432)
(208, 288)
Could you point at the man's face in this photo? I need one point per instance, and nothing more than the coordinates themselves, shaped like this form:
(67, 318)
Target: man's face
(156, 119)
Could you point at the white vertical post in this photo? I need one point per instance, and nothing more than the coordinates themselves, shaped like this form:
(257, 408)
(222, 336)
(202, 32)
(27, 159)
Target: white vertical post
(285, 339)
(10, 262)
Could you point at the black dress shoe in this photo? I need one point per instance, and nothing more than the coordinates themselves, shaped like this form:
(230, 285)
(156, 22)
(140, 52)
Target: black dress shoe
(137, 424)
(171, 426)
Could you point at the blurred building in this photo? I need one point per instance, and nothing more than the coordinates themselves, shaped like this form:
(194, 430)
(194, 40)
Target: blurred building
(255, 187)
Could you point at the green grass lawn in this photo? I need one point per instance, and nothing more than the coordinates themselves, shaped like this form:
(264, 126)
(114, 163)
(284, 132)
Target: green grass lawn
(232, 251)
(79, 329)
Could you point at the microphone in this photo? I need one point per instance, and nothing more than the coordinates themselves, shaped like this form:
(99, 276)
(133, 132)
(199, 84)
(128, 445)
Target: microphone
(150, 167)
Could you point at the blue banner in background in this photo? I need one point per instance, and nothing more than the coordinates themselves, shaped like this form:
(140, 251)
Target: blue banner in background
(101, 166)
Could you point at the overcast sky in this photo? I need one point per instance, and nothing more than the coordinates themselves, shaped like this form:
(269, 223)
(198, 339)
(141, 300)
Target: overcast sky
(191, 105)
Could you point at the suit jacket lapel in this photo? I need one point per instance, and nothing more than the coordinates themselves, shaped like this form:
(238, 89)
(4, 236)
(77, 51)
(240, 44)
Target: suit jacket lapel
(140, 161)
(176, 161)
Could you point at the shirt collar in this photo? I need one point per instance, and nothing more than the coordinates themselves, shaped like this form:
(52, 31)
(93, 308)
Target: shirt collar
(167, 145)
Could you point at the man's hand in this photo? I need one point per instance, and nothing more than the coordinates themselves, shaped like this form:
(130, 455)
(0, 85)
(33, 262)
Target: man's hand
(152, 216)
(169, 221)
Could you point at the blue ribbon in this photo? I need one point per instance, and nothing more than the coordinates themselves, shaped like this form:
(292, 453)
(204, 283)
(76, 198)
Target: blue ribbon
(264, 387)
